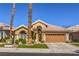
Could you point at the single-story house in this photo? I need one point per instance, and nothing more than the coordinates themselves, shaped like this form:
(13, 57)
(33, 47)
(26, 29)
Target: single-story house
(51, 33)
(48, 33)
(74, 34)
(4, 30)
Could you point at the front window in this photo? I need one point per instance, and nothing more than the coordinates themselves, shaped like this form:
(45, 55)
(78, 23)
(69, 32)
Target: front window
(23, 35)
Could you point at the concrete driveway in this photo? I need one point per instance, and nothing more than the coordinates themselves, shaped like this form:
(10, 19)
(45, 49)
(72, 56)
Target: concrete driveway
(62, 48)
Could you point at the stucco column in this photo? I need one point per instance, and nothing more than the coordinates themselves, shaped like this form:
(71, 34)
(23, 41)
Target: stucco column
(17, 36)
(67, 37)
(44, 37)
(36, 38)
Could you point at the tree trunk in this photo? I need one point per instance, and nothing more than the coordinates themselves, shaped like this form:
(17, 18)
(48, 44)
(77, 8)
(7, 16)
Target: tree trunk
(11, 22)
(29, 24)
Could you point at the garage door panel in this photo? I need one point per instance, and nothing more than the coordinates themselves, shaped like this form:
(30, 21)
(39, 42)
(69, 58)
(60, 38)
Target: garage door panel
(55, 38)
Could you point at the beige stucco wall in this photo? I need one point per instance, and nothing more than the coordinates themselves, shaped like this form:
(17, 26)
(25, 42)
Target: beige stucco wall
(19, 30)
(38, 24)
(67, 36)
(35, 27)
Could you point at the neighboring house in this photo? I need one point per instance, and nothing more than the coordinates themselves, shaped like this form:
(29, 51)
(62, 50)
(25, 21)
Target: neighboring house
(48, 33)
(74, 34)
(21, 32)
(4, 31)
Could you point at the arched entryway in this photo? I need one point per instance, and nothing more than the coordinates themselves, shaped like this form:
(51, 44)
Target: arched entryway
(23, 35)
(39, 31)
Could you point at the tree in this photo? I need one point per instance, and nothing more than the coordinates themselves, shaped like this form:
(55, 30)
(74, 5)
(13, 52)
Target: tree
(30, 23)
(11, 22)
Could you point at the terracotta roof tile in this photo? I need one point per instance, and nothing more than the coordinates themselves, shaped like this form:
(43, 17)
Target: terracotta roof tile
(54, 28)
(74, 28)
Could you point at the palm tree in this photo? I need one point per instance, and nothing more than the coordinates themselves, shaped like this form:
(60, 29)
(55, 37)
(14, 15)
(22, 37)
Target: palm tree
(11, 22)
(29, 24)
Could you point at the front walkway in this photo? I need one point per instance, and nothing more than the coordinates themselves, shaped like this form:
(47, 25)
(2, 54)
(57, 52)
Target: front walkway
(53, 48)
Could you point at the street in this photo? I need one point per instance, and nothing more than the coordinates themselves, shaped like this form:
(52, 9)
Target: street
(36, 54)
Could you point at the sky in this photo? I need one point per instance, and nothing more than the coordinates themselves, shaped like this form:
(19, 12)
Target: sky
(60, 14)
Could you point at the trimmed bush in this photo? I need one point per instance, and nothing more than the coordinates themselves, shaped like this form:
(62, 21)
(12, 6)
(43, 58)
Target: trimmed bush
(17, 41)
(20, 39)
(6, 38)
(33, 46)
(33, 36)
(23, 41)
(8, 42)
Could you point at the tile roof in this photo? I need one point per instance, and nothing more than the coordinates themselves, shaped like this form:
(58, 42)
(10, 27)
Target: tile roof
(54, 28)
(39, 21)
(51, 27)
(74, 28)
(20, 26)
(2, 24)
(5, 26)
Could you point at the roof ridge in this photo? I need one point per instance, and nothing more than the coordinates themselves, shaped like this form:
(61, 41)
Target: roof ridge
(48, 24)
(73, 26)
(40, 21)
(20, 26)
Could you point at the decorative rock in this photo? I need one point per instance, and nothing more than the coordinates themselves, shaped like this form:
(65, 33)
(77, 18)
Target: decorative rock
(8, 46)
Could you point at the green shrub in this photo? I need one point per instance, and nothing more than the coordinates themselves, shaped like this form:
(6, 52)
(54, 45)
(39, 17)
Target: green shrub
(8, 41)
(33, 35)
(20, 39)
(33, 46)
(3, 40)
(17, 41)
(6, 38)
(40, 46)
(23, 41)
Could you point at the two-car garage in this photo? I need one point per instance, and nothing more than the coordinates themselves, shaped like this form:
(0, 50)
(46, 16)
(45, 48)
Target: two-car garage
(55, 38)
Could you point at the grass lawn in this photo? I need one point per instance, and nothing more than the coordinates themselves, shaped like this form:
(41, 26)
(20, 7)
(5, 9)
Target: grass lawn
(75, 44)
(33, 46)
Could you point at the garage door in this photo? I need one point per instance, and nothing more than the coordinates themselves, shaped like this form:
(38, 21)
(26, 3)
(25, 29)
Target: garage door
(55, 38)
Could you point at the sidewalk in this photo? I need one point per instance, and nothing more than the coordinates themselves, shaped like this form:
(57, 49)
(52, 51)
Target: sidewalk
(25, 50)
(29, 50)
